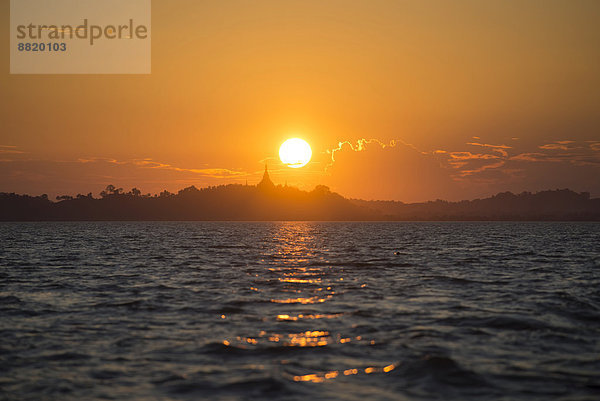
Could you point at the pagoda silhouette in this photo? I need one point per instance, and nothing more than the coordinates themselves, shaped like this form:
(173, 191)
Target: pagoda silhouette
(266, 184)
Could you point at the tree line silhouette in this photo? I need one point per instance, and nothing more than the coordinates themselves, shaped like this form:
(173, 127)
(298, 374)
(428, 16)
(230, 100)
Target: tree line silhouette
(243, 202)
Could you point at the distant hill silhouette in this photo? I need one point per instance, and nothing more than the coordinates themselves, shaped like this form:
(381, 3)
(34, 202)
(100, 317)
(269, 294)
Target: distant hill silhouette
(561, 204)
(270, 202)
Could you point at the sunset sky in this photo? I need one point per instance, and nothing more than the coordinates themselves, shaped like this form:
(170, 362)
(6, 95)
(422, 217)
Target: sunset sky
(403, 100)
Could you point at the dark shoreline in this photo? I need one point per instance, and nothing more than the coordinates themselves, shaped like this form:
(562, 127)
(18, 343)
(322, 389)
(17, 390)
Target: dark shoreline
(277, 203)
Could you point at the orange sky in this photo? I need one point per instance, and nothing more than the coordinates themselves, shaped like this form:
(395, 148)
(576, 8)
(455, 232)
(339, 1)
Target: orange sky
(399, 100)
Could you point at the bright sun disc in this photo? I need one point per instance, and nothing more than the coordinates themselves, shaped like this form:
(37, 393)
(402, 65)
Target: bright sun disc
(295, 153)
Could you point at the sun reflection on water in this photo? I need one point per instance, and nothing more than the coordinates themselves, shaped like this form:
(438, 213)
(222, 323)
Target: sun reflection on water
(321, 377)
(296, 262)
(301, 300)
(317, 338)
(309, 316)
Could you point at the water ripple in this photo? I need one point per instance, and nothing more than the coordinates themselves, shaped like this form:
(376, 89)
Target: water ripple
(296, 311)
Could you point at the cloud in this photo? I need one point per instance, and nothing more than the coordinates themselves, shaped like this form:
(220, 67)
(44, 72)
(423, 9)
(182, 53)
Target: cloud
(594, 146)
(532, 157)
(558, 145)
(361, 144)
(206, 172)
(465, 173)
(466, 163)
(10, 150)
(470, 156)
(496, 148)
(564, 163)
(566, 152)
(397, 170)
(100, 159)
(152, 164)
(374, 169)
(487, 145)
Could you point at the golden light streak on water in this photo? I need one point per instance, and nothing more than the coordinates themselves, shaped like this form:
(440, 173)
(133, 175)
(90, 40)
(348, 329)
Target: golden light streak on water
(310, 316)
(389, 368)
(299, 280)
(331, 375)
(321, 377)
(301, 300)
(286, 317)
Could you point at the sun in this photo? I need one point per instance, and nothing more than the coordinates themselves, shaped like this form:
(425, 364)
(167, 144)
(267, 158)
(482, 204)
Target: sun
(295, 153)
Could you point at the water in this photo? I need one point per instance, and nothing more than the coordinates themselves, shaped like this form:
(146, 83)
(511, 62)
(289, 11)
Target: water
(297, 311)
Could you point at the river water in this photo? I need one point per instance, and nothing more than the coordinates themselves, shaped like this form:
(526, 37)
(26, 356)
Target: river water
(299, 311)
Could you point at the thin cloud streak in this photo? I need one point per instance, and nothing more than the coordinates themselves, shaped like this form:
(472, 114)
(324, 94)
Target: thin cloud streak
(206, 172)
(219, 173)
(10, 150)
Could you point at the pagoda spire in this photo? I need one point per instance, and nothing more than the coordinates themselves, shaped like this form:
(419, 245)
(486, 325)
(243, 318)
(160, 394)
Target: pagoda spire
(266, 182)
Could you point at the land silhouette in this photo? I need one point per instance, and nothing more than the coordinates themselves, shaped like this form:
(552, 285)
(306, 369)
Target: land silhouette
(269, 202)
